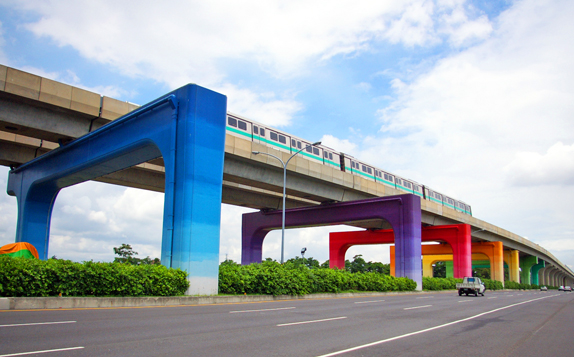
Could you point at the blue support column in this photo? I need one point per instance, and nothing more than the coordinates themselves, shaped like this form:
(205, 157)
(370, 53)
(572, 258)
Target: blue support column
(187, 128)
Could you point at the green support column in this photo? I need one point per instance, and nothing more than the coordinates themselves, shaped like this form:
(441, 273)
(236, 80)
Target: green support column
(535, 269)
(526, 264)
(449, 269)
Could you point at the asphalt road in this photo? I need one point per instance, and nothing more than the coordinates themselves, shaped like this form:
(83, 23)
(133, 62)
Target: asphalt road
(498, 324)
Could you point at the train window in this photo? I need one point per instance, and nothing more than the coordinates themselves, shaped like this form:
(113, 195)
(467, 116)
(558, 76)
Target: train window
(293, 143)
(407, 184)
(232, 122)
(273, 136)
(299, 145)
(255, 130)
(242, 125)
(326, 155)
(330, 156)
(262, 132)
(316, 151)
(309, 149)
(282, 139)
(369, 170)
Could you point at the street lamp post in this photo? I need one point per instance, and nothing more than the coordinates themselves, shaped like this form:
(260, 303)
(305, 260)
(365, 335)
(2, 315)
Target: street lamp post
(284, 185)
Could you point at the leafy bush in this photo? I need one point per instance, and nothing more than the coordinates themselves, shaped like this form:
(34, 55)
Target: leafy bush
(493, 284)
(32, 277)
(272, 278)
(440, 283)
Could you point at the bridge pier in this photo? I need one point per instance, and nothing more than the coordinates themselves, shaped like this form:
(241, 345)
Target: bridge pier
(457, 236)
(526, 264)
(173, 127)
(403, 212)
(535, 272)
(429, 260)
(512, 260)
(493, 250)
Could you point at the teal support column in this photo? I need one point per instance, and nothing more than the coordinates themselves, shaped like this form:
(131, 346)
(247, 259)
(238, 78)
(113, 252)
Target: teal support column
(526, 264)
(535, 270)
(449, 269)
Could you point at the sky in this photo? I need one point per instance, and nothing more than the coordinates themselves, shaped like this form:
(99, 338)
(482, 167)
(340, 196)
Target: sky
(472, 98)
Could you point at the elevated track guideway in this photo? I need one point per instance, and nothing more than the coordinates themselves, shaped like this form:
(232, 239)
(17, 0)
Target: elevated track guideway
(38, 115)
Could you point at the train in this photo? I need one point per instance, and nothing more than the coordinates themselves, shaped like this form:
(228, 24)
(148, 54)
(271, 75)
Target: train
(266, 135)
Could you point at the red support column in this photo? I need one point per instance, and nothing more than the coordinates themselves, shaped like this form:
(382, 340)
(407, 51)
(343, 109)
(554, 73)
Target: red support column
(456, 235)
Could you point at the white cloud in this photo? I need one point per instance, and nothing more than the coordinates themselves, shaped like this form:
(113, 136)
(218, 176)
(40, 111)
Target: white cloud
(556, 167)
(266, 108)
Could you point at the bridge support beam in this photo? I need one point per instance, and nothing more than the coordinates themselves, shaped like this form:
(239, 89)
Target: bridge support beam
(493, 250)
(403, 212)
(512, 259)
(429, 260)
(526, 264)
(535, 272)
(457, 236)
(187, 128)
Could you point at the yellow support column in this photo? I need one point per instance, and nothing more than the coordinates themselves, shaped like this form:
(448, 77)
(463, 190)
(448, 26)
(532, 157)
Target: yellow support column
(512, 260)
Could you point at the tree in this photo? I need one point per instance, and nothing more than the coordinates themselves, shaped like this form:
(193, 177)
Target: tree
(439, 270)
(308, 262)
(358, 264)
(378, 267)
(127, 256)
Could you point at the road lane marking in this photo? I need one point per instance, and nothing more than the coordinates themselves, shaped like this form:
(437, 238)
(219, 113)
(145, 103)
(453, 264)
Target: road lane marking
(279, 308)
(40, 323)
(416, 307)
(366, 302)
(309, 322)
(428, 329)
(494, 297)
(44, 351)
(464, 300)
(425, 297)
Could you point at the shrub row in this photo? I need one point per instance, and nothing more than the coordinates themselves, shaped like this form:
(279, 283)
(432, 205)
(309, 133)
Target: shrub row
(272, 278)
(32, 277)
(450, 284)
(519, 286)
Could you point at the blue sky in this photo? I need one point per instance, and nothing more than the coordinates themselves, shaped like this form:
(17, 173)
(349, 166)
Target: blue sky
(474, 99)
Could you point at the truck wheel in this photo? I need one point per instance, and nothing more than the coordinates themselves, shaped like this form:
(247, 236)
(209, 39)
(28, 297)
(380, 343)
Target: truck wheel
(475, 293)
(460, 293)
(466, 293)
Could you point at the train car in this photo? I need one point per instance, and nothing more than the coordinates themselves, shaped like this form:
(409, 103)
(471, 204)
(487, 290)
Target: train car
(385, 178)
(359, 168)
(448, 202)
(404, 185)
(238, 126)
(432, 196)
(331, 157)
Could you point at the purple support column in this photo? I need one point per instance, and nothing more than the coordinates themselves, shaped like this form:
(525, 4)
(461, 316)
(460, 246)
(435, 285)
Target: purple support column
(403, 212)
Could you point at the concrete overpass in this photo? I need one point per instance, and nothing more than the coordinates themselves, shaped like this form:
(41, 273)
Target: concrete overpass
(38, 114)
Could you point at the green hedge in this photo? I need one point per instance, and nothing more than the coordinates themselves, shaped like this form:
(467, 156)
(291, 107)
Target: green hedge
(272, 278)
(450, 284)
(32, 277)
(519, 286)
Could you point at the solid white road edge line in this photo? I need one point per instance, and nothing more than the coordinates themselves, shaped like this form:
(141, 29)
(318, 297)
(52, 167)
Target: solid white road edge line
(416, 307)
(428, 329)
(45, 351)
(279, 308)
(40, 323)
(366, 302)
(309, 322)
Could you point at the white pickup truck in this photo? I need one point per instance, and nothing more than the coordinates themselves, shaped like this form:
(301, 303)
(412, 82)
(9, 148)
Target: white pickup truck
(471, 285)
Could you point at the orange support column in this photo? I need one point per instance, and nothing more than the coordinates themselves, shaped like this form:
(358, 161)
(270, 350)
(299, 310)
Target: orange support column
(494, 251)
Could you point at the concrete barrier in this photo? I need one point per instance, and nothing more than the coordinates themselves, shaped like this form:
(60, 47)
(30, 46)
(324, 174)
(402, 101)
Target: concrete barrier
(31, 303)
